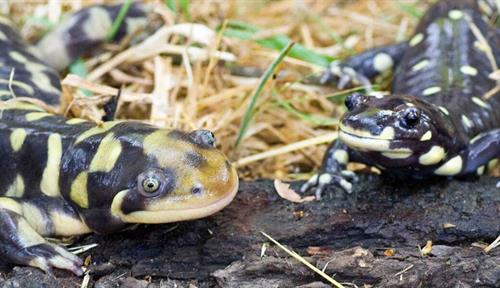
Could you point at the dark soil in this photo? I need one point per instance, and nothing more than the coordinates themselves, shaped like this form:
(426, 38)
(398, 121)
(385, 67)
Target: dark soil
(348, 234)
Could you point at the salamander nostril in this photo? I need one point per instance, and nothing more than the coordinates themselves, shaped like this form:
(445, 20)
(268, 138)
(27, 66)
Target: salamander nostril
(354, 100)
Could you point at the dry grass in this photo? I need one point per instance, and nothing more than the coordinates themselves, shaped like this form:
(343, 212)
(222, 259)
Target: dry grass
(201, 92)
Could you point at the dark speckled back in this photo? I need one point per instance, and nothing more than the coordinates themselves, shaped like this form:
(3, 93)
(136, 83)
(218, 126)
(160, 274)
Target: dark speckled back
(448, 64)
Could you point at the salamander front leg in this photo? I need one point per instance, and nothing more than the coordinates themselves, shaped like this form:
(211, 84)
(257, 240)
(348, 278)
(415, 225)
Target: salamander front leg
(21, 244)
(359, 69)
(332, 170)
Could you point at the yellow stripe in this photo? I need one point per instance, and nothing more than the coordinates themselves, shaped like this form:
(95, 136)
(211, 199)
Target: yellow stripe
(34, 116)
(107, 154)
(78, 191)
(96, 130)
(50, 178)
(16, 189)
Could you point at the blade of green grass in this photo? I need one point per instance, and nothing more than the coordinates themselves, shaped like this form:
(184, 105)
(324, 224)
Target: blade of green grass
(183, 4)
(78, 68)
(118, 20)
(410, 9)
(319, 121)
(245, 31)
(263, 80)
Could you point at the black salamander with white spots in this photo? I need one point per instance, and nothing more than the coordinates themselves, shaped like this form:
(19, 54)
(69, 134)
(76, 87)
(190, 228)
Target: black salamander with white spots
(63, 177)
(442, 116)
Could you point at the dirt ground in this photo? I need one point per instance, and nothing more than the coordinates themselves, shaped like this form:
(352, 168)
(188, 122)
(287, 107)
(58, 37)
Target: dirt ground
(371, 237)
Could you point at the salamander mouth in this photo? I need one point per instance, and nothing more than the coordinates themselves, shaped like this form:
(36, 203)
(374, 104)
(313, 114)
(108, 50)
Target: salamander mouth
(373, 144)
(180, 213)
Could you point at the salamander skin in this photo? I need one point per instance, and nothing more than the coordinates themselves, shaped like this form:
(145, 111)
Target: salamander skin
(442, 116)
(62, 177)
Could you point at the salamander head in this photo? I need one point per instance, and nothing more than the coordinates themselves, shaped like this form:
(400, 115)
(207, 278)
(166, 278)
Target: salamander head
(396, 131)
(184, 177)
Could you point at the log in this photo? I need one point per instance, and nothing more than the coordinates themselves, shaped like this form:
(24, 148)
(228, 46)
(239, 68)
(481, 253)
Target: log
(370, 237)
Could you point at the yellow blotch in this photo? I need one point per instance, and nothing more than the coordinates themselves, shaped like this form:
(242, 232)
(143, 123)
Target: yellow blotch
(66, 225)
(16, 189)
(34, 116)
(427, 136)
(451, 167)
(11, 205)
(107, 154)
(35, 218)
(27, 235)
(20, 105)
(341, 156)
(18, 57)
(433, 156)
(168, 151)
(17, 138)
(78, 192)
(50, 178)
(104, 127)
(75, 121)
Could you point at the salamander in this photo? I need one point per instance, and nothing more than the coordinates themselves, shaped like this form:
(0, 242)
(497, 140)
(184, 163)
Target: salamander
(62, 177)
(442, 115)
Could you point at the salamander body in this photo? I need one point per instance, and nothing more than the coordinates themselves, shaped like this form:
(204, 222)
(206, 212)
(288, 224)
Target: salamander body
(62, 177)
(442, 116)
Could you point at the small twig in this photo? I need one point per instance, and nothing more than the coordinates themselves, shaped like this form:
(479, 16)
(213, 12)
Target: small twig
(304, 261)
(493, 245)
(403, 271)
(327, 138)
(11, 79)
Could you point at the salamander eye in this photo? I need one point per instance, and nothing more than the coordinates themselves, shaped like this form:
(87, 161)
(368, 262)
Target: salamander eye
(354, 100)
(153, 182)
(411, 117)
(150, 185)
(197, 190)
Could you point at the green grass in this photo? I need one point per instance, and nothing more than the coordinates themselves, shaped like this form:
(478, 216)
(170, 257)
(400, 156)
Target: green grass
(183, 4)
(118, 20)
(245, 31)
(263, 80)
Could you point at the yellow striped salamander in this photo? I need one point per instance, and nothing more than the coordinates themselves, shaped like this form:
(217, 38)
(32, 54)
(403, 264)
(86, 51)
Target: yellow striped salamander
(442, 116)
(62, 177)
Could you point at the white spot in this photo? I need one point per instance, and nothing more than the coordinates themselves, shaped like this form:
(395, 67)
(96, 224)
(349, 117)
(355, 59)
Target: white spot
(325, 178)
(378, 94)
(480, 170)
(431, 90)
(341, 156)
(477, 137)
(416, 39)
(455, 14)
(409, 104)
(433, 156)
(451, 167)
(420, 65)
(444, 110)
(468, 70)
(382, 62)
(427, 136)
(313, 179)
(467, 122)
(479, 102)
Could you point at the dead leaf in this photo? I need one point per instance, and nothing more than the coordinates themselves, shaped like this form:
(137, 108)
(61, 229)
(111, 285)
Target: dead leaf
(289, 194)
